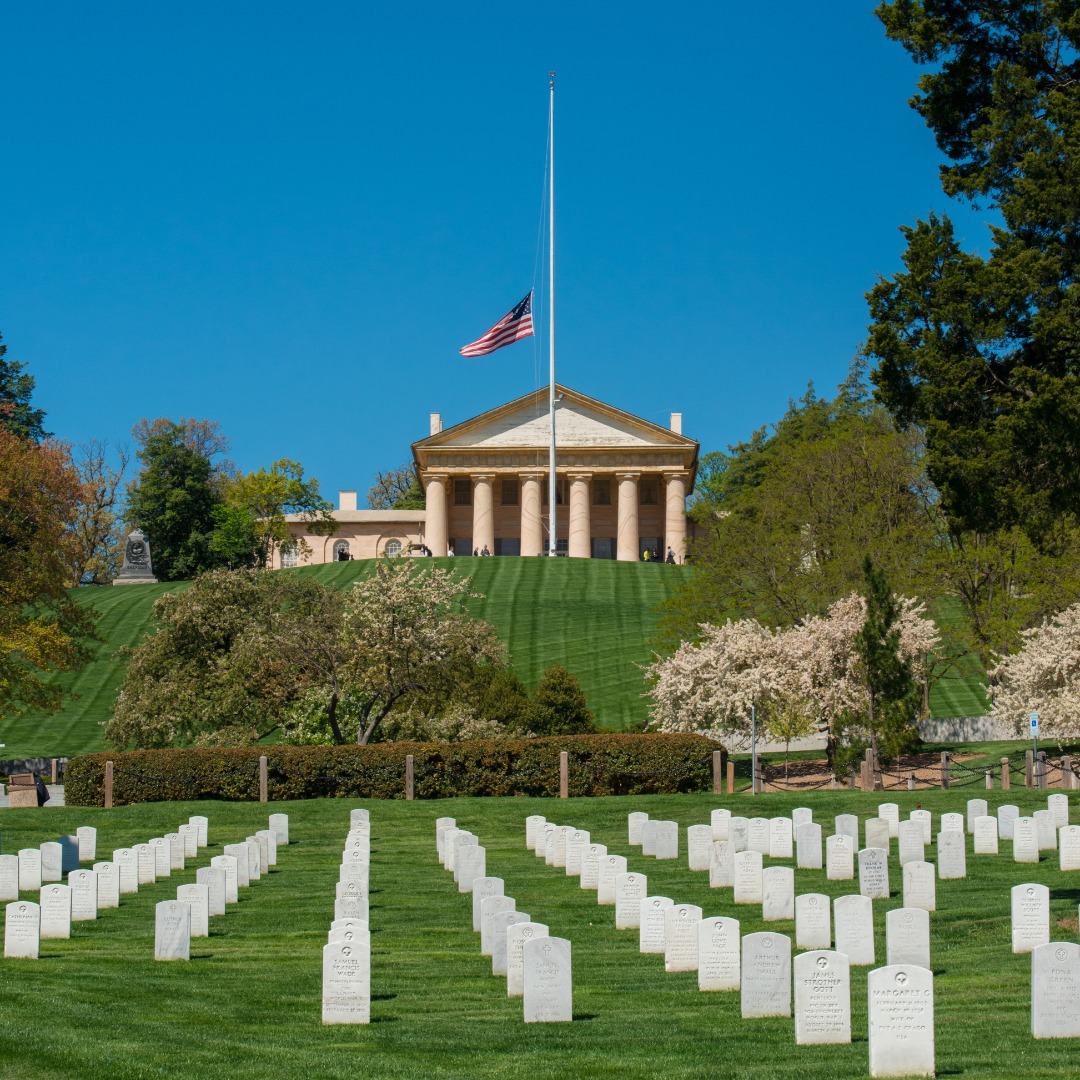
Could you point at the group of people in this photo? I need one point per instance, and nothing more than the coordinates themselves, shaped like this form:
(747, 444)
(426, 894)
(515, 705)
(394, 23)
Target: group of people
(652, 555)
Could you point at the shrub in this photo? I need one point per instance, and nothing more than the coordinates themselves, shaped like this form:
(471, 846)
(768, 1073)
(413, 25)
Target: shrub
(558, 705)
(599, 765)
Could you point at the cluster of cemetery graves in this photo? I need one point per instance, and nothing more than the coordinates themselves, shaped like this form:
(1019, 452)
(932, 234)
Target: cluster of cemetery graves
(346, 988)
(40, 871)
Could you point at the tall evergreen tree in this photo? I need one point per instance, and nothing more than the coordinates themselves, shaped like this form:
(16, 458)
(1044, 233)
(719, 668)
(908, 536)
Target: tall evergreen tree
(17, 415)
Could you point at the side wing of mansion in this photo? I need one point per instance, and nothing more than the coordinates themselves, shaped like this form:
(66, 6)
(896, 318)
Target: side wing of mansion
(622, 485)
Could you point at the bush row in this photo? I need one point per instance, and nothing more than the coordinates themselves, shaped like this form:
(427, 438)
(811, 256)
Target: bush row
(599, 765)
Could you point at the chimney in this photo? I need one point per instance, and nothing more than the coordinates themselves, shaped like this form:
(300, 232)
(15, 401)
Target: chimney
(436, 423)
(676, 422)
(346, 500)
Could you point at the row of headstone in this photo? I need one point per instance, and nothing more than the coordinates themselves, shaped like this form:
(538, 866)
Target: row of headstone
(346, 986)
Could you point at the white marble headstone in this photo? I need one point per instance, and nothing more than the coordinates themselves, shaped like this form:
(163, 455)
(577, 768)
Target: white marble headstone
(907, 936)
(847, 825)
(853, 925)
(874, 873)
(1006, 815)
(780, 838)
(172, 930)
(198, 897)
(1045, 830)
(1058, 805)
(55, 911)
(279, 825)
(52, 862)
(722, 864)
(516, 936)
(975, 808)
(108, 885)
(666, 840)
(890, 812)
(719, 947)
(719, 820)
(84, 895)
(630, 889)
(346, 982)
(500, 930)
(808, 846)
(22, 930)
(952, 855)
(145, 860)
(162, 857)
(189, 836)
(202, 829)
(176, 850)
(471, 864)
(813, 921)
(748, 887)
(1069, 847)
(490, 907)
(920, 886)
(681, 937)
(777, 894)
(766, 975)
(127, 866)
(876, 833)
(213, 877)
(484, 887)
(822, 998)
(611, 866)
(839, 858)
(1025, 840)
(9, 877)
(952, 822)
(635, 827)
(652, 929)
(901, 1021)
(986, 835)
(912, 847)
(87, 838)
(739, 832)
(534, 827)
(699, 846)
(801, 815)
(229, 864)
(1030, 916)
(758, 835)
(576, 843)
(548, 981)
(1055, 990)
(590, 866)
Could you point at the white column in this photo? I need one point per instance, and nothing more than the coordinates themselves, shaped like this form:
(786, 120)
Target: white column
(435, 517)
(675, 514)
(579, 535)
(532, 529)
(626, 549)
(483, 514)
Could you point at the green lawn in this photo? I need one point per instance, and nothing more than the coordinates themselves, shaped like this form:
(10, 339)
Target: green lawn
(596, 617)
(248, 1003)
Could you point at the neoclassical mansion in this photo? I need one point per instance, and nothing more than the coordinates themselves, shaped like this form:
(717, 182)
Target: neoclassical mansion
(622, 484)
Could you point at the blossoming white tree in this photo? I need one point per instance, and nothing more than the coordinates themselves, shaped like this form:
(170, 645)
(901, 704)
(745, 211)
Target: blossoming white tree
(1044, 675)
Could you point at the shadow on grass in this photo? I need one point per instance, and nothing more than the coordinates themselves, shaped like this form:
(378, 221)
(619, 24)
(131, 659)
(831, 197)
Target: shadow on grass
(585, 1016)
(383, 997)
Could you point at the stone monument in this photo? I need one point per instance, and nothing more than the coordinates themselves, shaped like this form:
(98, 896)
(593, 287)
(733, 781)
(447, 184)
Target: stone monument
(137, 569)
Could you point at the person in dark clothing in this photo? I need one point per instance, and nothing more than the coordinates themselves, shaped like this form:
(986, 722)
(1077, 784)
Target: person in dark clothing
(43, 795)
(670, 560)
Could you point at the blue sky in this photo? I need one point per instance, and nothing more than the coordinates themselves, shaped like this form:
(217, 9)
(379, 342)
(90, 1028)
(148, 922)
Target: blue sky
(288, 218)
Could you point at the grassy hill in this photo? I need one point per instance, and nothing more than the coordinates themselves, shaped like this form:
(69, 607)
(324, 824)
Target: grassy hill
(594, 617)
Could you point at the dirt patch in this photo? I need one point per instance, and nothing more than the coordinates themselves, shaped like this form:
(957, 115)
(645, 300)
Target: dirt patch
(810, 774)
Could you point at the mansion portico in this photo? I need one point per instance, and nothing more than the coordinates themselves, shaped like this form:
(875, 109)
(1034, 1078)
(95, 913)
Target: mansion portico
(622, 484)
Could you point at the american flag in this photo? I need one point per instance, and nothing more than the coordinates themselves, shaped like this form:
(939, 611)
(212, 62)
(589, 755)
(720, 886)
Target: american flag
(512, 327)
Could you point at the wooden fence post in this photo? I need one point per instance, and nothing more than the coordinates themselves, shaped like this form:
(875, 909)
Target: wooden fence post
(1004, 774)
(731, 777)
(410, 790)
(564, 775)
(944, 770)
(989, 780)
(1041, 769)
(263, 780)
(717, 772)
(1029, 767)
(55, 770)
(1066, 772)
(108, 785)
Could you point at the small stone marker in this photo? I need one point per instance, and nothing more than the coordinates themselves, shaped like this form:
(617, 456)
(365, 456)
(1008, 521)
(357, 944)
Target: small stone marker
(22, 930)
(213, 877)
(839, 858)
(270, 838)
(719, 819)
(348, 931)
(202, 829)
(471, 864)
(986, 835)
(777, 894)
(198, 897)
(176, 851)
(500, 930)
(681, 937)
(516, 936)
(484, 887)
(52, 862)
(87, 838)
(490, 907)
(359, 816)
(630, 890)
(758, 835)
(912, 847)
(801, 815)
(780, 838)
(240, 853)
(228, 864)
(162, 857)
(666, 840)
(648, 838)
(534, 825)
(920, 886)
(562, 832)
(172, 930)
(127, 866)
(699, 842)
(108, 885)
(1006, 815)
(813, 921)
(874, 873)
(952, 823)
(890, 812)
(652, 931)
(901, 1021)
(853, 924)
(808, 846)
(611, 866)
(766, 975)
(1025, 840)
(847, 825)
(575, 845)
(1058, 805)
(822, 998)
(590, 866)
(146, 863)
(739, 832)
(55, 911)
(718, 950)
(635, 828)
(1030, 916)
(69, 853)
(84, 895)
(548, 983)
(926, 820)
(1055, 990)
(351, 906)
(1069, 847)
(907, 936)
(1045, 831)
(255, 865)
(722, 864)
(279, 826)
(748, 887)
(346, 982)
(189, 835)
(975, 808)
(952, 855)
(876, 833)
(9, 877)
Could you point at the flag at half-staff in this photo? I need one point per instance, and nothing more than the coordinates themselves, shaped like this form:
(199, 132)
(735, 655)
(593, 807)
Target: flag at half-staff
(513, 326)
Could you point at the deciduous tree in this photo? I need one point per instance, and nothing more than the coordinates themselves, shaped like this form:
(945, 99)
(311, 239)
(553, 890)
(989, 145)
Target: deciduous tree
(97, 531)
(396, 489)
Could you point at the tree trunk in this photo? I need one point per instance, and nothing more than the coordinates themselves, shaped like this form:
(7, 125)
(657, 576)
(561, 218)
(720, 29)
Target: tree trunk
(331, 716)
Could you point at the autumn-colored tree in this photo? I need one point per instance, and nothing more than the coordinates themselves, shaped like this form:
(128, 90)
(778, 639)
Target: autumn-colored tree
(42, 629)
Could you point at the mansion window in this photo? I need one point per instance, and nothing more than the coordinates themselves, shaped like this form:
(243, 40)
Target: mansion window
(601, 491)
(288, 555)
(562, 491)
(650, 487)
(392, 549)
(462, 491)
(509, 491)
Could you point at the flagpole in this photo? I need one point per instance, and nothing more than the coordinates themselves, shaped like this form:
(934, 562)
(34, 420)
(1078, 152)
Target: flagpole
(552, 486)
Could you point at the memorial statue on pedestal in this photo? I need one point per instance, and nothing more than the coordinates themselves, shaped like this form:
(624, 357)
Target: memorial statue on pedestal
(137, 568)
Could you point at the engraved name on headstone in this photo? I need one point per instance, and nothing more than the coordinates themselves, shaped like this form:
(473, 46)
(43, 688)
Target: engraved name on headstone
(1058, 805)
(198, 898)
(952, 822)
(484, 887)
(84, 895)
(699, 846)
(1055, 990)
(490, 907)
(346, 982)
(722, 864)
(652, 931)
(780, 838)
(719, 946)
(766, 975)
(635, 826)
(1045, 830)
(172, 930)
(901, 1021)
(127, 865)
(813, 921)
(758, 835)
(822, 998)
(847, 825)
(920, 886)
(108, 885)
(630, 889)
(1030, 916)
(534, 828)
(911, 846)
(162, 857)
(516, 936)
(240, 853)
(9, 877)
(611, 866)
(666, 840)
(839, 858)
(279, 826)
(1069, 847)
(739, 832)
(548, 981)
(500, 929)
(1025, 840)
(719, 820)
(55, 911)
(874, 873)
(227, 863)
(52, 862)
(22, 930)
(975, 808)
(681, 937)
(890, 812)
(590, 866)
(986, 835)
(575, 845)
(952, 855)
(926, 820)
(213, 877)
(87, 838)
(747, 888)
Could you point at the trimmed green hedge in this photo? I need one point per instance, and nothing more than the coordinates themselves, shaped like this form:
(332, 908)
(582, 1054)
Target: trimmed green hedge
(599, 765)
